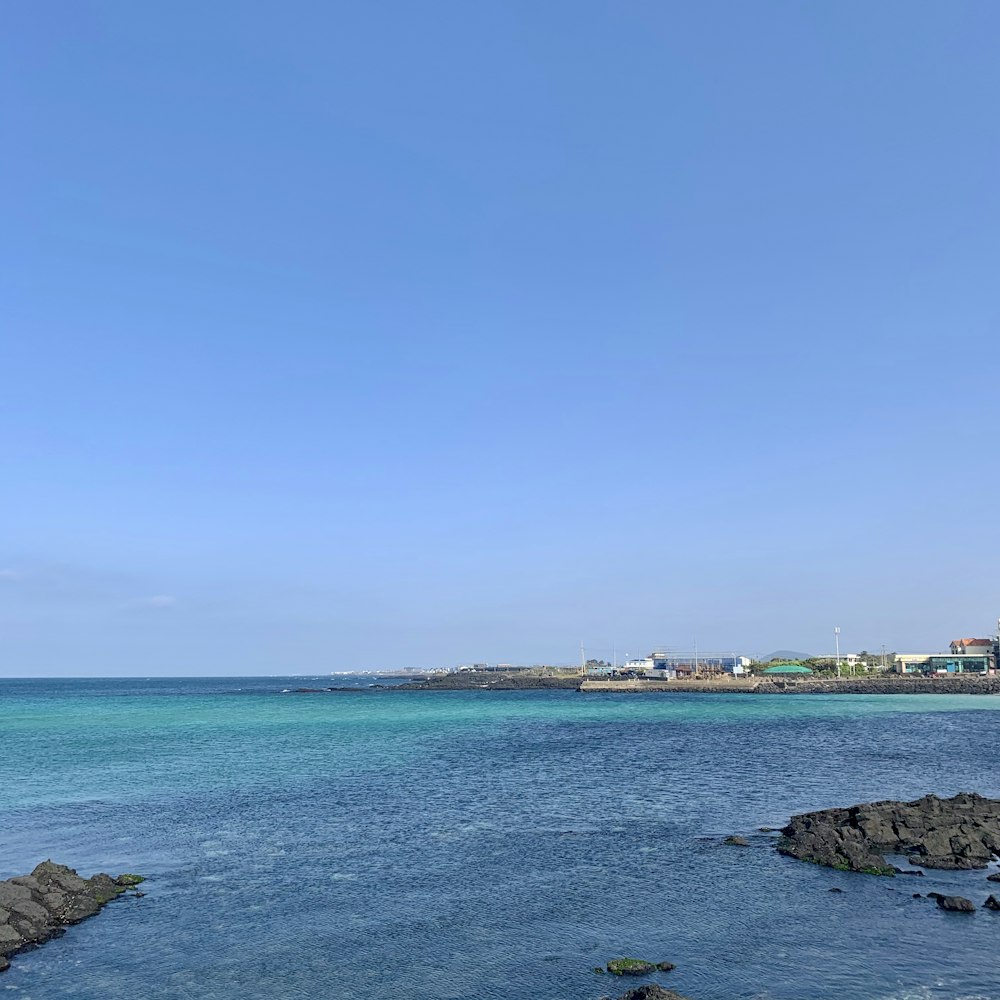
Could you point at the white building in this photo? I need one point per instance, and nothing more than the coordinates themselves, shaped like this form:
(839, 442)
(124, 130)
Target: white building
(640, 666)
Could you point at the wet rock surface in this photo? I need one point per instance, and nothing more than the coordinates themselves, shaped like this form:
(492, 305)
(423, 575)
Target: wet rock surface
(650, 991)
(955, 904)
(38, 907)
(958, 833)
(630, 967)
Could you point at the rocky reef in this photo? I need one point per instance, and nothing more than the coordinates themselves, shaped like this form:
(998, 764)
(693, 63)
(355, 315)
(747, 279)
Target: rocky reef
(490, 681)
(38, 907)
(650, 991)
(954, 904)
(637, 967)
(957, 833)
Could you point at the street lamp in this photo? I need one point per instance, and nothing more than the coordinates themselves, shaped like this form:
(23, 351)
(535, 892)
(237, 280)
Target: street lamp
(836, 639)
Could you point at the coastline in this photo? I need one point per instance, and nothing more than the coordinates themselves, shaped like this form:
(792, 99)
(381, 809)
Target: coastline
(889, 685)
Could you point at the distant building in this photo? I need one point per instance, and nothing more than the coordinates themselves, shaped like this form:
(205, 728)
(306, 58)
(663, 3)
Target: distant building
(643, 665)
(967, 656)
(980, 646)
(671, 664)
(846, 659)
(912, 663)
(786, 668)
(945, 663)
(662, 665)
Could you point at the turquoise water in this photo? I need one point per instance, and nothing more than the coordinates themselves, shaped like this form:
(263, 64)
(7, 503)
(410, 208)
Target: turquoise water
(451, 846)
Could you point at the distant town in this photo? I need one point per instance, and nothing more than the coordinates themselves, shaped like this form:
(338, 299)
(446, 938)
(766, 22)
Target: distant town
(964, 656)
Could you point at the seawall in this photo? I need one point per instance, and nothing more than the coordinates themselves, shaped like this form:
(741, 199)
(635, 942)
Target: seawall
(888, 684)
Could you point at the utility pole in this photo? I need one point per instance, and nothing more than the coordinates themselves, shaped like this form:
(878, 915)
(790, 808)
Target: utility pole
(836, 639)
(883, 657)
(583, 661)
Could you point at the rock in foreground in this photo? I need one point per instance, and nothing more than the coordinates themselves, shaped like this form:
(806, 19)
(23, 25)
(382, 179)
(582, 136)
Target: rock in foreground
(650, 991)
(956, 833)
(37, 907)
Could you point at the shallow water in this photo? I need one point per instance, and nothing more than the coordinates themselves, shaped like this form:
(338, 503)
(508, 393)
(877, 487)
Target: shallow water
(488, 845)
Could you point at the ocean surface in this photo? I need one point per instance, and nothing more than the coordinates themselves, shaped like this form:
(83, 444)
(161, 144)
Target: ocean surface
(480, 845)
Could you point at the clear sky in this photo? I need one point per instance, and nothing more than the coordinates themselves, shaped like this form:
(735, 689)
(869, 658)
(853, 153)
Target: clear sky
(352, 335)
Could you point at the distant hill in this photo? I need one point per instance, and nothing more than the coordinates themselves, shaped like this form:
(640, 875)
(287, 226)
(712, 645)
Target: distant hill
(787, 654)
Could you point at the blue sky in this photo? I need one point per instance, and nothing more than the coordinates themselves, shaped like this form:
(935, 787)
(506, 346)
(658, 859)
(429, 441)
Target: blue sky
(375, 335)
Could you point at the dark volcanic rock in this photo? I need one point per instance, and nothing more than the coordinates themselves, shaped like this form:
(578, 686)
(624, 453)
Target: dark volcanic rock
(650, 991)
(956, 904)
(630, 967)
(37, 907)
(735, 841)
(488, 680)
(995, 877)
(957, 833)
(992, 903)
(882, 684)
(953, 863)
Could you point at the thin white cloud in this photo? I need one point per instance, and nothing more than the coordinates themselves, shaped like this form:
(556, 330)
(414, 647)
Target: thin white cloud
(9, 574)
(156, 601)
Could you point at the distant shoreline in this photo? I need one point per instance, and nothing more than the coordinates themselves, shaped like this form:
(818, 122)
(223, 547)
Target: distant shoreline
(884, 684)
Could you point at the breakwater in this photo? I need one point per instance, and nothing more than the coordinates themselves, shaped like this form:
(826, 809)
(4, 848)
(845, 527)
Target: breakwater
(482, 680)
(881, 684)
(887, 684)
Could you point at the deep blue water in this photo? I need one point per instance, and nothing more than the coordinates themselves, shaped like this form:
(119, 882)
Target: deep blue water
(496, 846)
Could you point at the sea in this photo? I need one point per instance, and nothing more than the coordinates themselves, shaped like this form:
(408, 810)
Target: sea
(480, 845)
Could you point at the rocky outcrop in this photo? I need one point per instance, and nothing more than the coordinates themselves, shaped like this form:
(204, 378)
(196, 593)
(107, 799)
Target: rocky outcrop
(635, 967)
(650, 991)
(490, 681)
(37, 907)
(630, 967)
(955, 904)
(957, 833)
